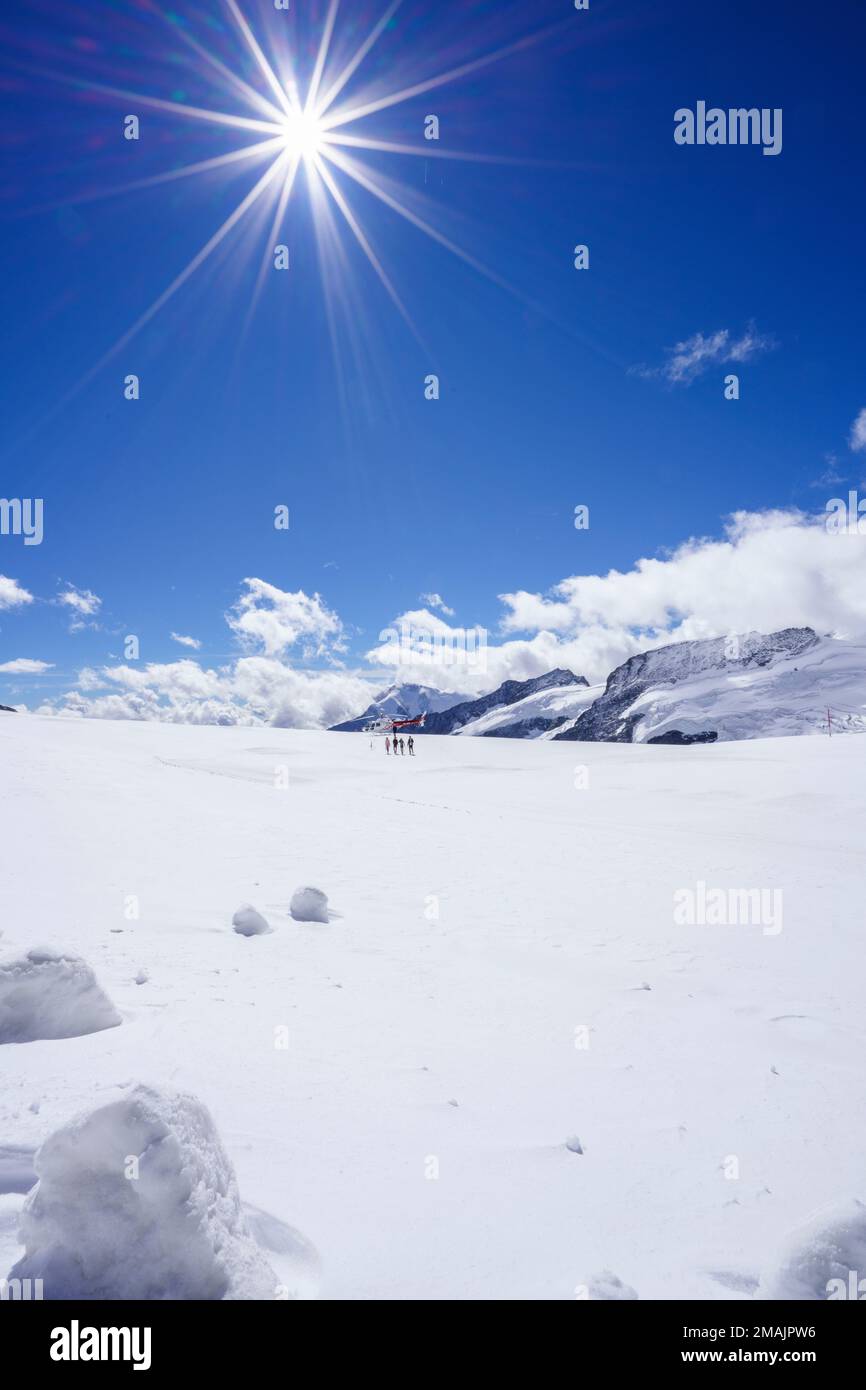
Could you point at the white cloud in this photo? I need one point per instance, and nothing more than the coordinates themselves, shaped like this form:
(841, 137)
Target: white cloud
(89, 679)
(693, 356)
(436, 601)
(273, 620)
(298, 699)
(421, 620)
(178, 679)
(83, 603)
(769, 570)
(255, 689)
(192, 642)
(252, 690)
(831, 475)
(772, 570)
(12, 595)
(857, 438)
(466, 664)
(421, 648)
(24, 666)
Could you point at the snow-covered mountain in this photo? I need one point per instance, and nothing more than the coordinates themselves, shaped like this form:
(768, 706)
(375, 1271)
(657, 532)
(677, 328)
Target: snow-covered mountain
(401, 702)
(537, 715)
(499, 707)
(753, 686)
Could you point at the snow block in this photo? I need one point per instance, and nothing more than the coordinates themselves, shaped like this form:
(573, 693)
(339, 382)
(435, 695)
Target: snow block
(309, 905)
(817, 1260)
(138, 1200)
(51, 994)
(248, 922)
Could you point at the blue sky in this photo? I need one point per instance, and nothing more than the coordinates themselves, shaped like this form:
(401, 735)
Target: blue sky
(554, 392)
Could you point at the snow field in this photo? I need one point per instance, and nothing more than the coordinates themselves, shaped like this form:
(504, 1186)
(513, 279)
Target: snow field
(507, 943)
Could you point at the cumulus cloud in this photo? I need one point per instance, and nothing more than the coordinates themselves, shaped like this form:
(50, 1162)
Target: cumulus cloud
(25, 666)
(252, 690)
(420, 648)
(771, 570)
(465, 660)
(178, 679)
(693, 356)
(83, 604)
(436, 601)
(255, 689)
(274, 620)
(857, 438)
(83, 601)
(192, 642)
(12, 595)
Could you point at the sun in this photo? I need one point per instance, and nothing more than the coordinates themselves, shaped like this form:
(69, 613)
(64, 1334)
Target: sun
(305, 124)
(302, 135)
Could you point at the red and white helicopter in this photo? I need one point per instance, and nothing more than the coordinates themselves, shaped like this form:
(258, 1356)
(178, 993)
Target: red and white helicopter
(383, 724)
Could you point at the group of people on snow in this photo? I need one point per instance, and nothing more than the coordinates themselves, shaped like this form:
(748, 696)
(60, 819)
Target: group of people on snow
(398, 741)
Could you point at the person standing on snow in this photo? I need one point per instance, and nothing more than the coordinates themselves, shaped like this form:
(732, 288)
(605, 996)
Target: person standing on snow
(411, 746)
(387, 744)
(401, 746)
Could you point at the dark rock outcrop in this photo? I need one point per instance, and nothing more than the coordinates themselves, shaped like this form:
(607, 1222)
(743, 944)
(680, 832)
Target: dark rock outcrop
(528, 728)
(679, 739)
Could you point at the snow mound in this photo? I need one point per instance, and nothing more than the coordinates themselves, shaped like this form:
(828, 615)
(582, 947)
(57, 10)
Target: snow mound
(248, 922)
(309, 905)
(294, 1258)
(138, 1200)
(607, 1286)
(827, 1247)
(51, 994)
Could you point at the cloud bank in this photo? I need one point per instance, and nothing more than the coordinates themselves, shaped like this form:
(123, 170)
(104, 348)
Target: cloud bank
(769, 570)
(250, 691)
(259, 688)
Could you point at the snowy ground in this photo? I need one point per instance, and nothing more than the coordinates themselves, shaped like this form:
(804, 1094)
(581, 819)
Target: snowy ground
(415, 1038)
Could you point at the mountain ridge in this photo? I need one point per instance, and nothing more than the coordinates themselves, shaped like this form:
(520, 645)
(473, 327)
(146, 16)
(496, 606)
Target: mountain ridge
(730, 688)
(700, 691)
(510, 692)
(399, 702)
